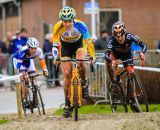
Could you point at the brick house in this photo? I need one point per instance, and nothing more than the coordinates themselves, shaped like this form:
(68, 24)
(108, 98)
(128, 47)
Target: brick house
(141, 17)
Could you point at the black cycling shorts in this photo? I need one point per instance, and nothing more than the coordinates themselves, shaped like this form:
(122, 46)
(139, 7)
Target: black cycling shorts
(69, 49)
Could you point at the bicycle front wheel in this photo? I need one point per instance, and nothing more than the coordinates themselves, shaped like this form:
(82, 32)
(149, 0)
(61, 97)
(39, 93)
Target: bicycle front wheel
(75, 83)
(139, 94)
(38, 101)
(116, 98)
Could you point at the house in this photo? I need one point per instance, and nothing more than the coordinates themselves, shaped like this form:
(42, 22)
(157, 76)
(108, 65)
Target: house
(141, 17)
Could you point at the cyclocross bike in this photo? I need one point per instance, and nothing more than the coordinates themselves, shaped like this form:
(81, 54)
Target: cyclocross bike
(75, 90)
(34, 96)
(127, 90)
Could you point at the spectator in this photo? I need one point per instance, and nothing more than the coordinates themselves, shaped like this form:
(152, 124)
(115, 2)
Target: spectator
(14, 45)
(3, 49)
(23, 36)
(19, 40)
(8, 42)
(47, 47)
(8, 39)
(52, 69)
(101, 43)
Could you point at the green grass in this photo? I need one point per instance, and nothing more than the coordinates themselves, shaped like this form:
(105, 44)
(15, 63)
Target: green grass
(3, 121)
(104, 109)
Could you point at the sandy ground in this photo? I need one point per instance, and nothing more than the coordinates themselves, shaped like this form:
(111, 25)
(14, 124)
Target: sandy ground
(120, 121)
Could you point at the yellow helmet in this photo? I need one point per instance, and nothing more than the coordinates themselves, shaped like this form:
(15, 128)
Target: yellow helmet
(67, 13)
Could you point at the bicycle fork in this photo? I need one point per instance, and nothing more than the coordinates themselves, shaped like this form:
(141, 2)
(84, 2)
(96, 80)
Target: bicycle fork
(74, 86)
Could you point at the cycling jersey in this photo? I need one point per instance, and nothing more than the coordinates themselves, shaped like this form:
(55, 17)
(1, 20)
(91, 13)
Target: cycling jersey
(23, 60)
(24, 54)
(124, 49)
(78, 30)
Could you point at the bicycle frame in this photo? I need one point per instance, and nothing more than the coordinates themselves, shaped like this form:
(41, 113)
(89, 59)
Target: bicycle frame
(75, 75)
(75, 90)
(34, 94)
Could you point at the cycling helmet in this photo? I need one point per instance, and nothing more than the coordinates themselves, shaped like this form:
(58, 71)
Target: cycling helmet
(118, 29)
(32, 42)
(67, 13)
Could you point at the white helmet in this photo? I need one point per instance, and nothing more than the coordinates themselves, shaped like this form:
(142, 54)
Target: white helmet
(32, 42)
(118, 29)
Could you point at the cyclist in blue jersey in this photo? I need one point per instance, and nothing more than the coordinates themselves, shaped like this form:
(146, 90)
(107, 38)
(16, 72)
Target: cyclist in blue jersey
(24, 62)
(120, 47)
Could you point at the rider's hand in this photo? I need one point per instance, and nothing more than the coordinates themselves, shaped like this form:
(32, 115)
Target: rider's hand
(93, 60)
(45, 72)
(55, 52)
(115, 62)
(142, 55)
(55, 62)
(55, 55)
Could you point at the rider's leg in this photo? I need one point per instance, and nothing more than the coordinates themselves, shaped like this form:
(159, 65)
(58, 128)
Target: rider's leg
(109, 67)
(81, 54)
(24, 85)
(66, 70)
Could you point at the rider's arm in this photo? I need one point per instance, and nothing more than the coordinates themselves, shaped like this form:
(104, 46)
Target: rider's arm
(108, 51)
(21, 57)
(55, 39)
(41, 58)
(85, 33)
(138, 42)
(90, 47)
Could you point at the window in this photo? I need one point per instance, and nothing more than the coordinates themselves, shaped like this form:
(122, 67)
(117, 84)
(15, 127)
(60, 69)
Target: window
(10, 8)
(106, 19)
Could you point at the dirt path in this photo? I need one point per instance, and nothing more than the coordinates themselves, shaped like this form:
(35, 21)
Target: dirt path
(121, 121)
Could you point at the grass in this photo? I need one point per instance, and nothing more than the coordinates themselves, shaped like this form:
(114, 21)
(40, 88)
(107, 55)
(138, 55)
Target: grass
(104, 109)
(3, 121)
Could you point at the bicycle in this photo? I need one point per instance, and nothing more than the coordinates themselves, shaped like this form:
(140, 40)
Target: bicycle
(75, 90)
(127, 91)
(34, 95)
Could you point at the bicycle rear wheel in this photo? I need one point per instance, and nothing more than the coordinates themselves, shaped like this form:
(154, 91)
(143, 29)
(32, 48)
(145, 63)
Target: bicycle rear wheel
(139, 95)
(116, 97)
(75, 83)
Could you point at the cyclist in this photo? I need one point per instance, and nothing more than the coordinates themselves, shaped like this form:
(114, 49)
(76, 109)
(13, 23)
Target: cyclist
(119, 47)
(70, 33)
(24, 62)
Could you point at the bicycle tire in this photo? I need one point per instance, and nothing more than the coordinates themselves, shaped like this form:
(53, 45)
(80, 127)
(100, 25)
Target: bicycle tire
(38, 102)
(75, 83)
(116, 99)
(30, 100)
(141, 94)
(110, 96)
(137, 94)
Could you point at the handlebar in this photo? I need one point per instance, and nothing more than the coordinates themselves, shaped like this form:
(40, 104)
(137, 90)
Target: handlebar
(118, 61)
(33, 75)
(78, 60)
(72, 60)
